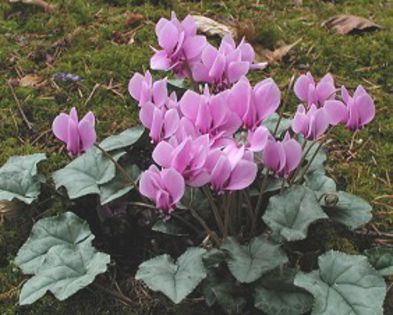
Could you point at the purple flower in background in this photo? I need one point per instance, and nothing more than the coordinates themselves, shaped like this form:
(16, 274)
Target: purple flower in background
(311, 93)
(180, 45)
(165, 187)
(143, 90)
(225, 65)
(282, 157)
(188, 158)
(253, 105)
(357, 111)
(79, 136)
(312, 123)
(209, 113)
(232, 168)
(66, 76)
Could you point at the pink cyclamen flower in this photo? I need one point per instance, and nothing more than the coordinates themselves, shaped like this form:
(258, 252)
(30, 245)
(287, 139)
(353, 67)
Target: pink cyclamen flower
(165, 187)
(79, 136)
(282, 157)
(232, 168)
(188, 158)
(143, 90)
(180, 45)
(312, 123)
(209, 113)
(258, 138)
(358, 110)
(311, 93)
(161, 122)
(253, 105)
(225, 65)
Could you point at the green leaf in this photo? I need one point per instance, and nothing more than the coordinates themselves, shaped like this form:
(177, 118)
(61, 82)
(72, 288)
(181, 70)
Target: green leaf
(175, 280)
(118, 186)
(276, 294)
(320, 183)
(214, 257)
(19, 178)
(290, 213)
(84, 174)
(65, 229)
(350, 210)
(344, 284)
(178, 83)
(271, 123)
(249, 262)
(66, 270)
(382, 260)
(125, 139)
(170, 228)
(24, 163)
(223, 289)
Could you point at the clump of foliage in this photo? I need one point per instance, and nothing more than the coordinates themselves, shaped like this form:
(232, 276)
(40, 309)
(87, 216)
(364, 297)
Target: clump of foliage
(245, 183)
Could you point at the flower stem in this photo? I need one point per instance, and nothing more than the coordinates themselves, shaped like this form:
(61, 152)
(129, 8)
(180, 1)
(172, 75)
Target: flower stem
(216, 212)
(283, 106)
(202, 222)
(257, 210)
(122, 171)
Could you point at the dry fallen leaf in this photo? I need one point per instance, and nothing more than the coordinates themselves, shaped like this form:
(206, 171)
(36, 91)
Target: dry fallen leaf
(298, 3)
(346, 24)
(41, 3)
(31, 80)
(133, 18)
(274, 56)
(211, 27)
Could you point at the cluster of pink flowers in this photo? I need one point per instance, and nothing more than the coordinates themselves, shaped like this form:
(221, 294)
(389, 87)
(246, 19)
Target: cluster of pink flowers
(212, 137)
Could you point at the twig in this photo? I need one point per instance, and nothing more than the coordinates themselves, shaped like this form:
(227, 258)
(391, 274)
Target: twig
(96, 86)
(121, 297)
(27, 122)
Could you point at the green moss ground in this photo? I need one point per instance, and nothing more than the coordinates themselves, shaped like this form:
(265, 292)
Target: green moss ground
(80, 34)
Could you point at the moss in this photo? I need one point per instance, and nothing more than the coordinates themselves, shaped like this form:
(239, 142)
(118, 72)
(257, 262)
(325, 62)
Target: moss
(86, 30)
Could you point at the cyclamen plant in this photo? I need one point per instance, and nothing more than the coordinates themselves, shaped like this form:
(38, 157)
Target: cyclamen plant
(250, 181)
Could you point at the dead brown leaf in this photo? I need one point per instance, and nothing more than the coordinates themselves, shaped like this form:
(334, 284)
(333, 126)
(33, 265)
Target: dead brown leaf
(31, 80)
(211, 27)
(41, 3)
(133, 18)
(276, 55)
(346, 24)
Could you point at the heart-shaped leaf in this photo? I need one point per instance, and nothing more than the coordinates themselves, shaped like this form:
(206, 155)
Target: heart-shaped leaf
(382, 260)
(175, 280)
(84, 174)
(223, 289)
(350, 210)
(170, 228)
(249, 262)
(19, 178)
(24, 163)
(65, 229)
(65, 270)
(290, 213)
(271, 123)
(119, 185)
(276, 294)
(125, 139)
(320, 183)
(344, 284)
